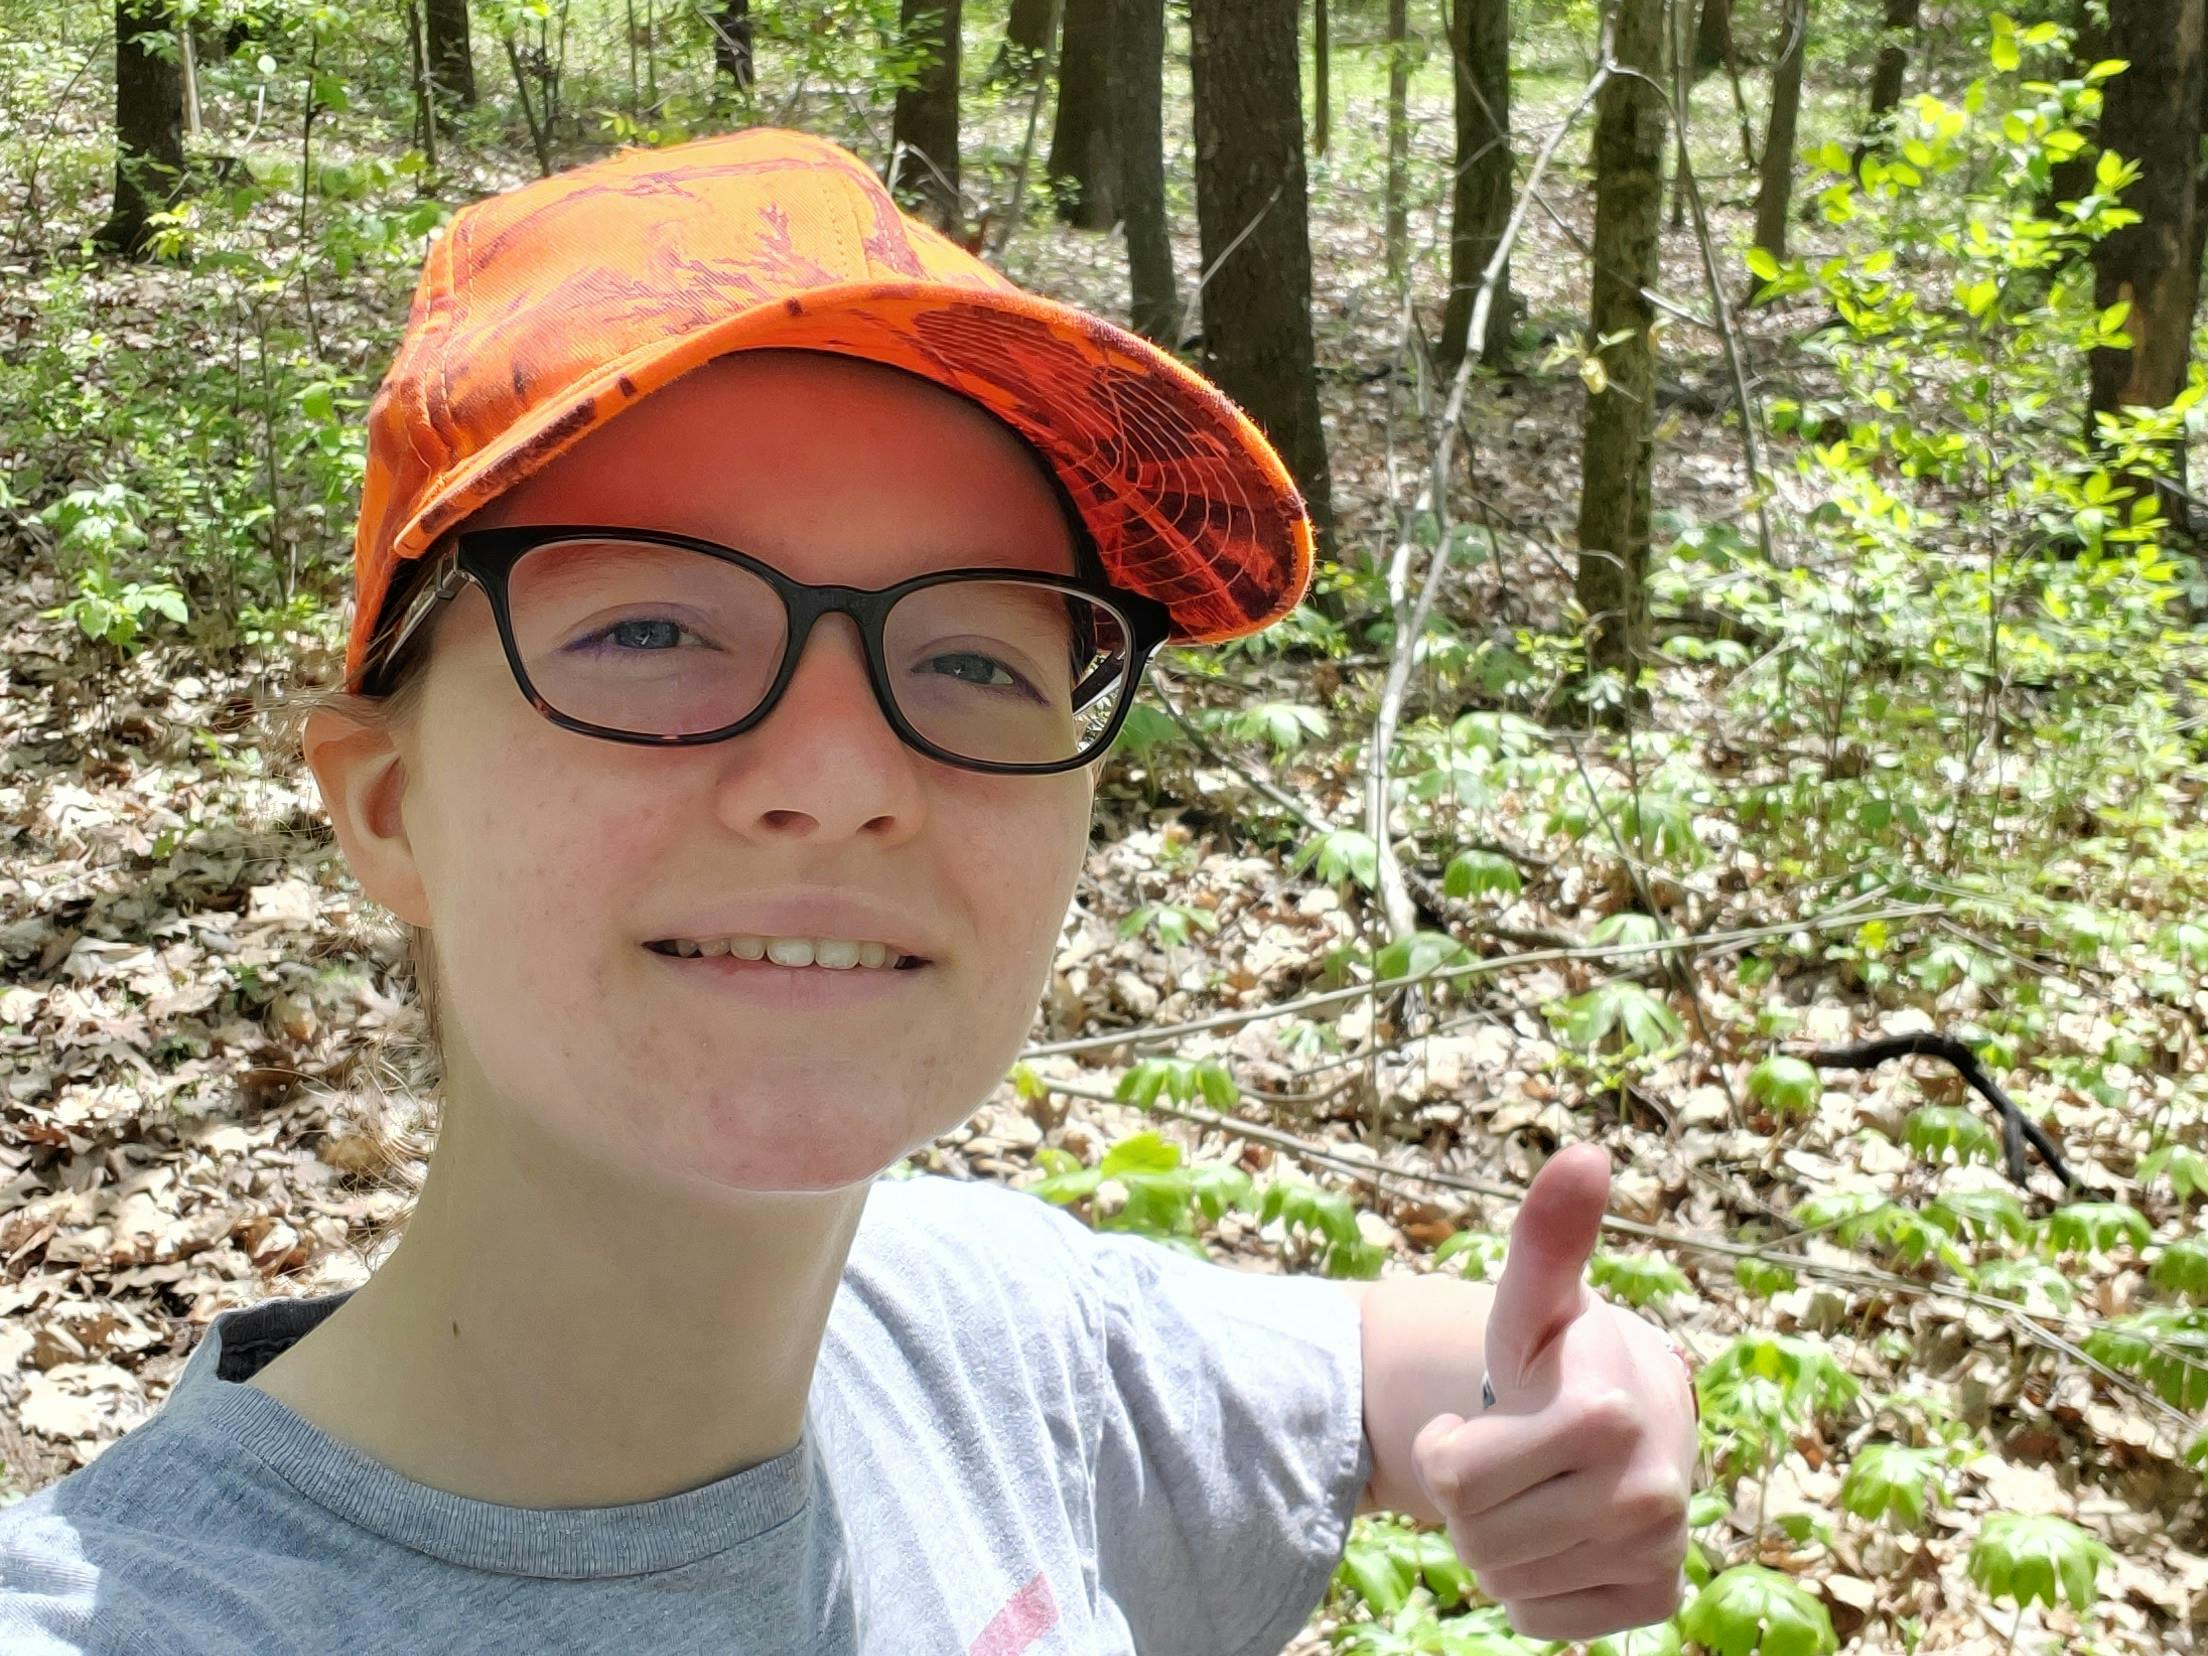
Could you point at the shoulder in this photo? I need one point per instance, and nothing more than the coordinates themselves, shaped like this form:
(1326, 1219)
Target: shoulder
(987, 1235)
(73, 1572)
(147, 1551)
(977, 1262)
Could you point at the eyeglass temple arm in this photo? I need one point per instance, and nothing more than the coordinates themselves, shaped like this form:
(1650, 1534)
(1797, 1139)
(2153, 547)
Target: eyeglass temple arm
(446, 582)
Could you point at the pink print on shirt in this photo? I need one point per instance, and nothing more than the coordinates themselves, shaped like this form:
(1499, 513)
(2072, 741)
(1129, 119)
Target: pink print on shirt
(1027, 1615)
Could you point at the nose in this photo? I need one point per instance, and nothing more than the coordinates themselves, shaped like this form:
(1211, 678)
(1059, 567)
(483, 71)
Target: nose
(825, 761)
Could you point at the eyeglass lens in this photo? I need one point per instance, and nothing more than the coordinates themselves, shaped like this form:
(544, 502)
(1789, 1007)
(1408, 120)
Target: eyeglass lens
(657, 640)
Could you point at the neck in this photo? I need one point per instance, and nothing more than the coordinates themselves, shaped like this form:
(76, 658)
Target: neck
(555, 1332)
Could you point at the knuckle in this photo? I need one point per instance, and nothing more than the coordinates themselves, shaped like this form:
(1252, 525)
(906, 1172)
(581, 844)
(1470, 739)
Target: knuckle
(1611, 1415)
(1657, 1503)
(1475, 1544)
(1503, 1586)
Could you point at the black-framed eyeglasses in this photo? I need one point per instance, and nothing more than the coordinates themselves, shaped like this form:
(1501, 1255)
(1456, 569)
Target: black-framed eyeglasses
(644, 636)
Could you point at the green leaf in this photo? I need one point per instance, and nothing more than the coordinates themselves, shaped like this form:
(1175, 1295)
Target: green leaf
(1140, 1153)
(1661, 1639)
(1482, 1251)
(1894, 1482)
(1638, 1279)
(2021, 1279)
(1762, 1278)
(1382, 1576)
(1418, 954)
(1950, 1131)
(1786, 1086)
(1475, 873)
(2096, 1227)
(2165, 1346)
(1342, 854)
(1286, 727)
(2022, 1557)
(1299, 1205)
(1754, 1611)
(1626, 927)
(1648, 1025)
(1982, 1214)
(2184, 1167)
(2182, 1268)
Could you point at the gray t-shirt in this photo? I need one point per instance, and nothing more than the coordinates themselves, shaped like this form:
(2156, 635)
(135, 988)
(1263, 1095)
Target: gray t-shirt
(1024, 1436)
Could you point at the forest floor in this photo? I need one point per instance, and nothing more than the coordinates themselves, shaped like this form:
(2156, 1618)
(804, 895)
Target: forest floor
(208, 1064)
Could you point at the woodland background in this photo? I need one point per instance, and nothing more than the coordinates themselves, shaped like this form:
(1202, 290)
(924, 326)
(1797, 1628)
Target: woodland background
(1753, 708)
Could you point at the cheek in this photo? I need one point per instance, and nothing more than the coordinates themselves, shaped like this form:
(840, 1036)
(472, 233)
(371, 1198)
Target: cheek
(1020, 868)
(534, 885)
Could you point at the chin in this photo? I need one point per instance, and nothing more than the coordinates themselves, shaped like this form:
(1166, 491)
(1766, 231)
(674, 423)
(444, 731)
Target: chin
(793, 1144)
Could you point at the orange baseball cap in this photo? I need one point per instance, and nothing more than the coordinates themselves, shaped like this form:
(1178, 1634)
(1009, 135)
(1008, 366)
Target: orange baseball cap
(544, 312)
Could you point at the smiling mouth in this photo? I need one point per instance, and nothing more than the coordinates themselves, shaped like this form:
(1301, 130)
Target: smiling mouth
(905, 963)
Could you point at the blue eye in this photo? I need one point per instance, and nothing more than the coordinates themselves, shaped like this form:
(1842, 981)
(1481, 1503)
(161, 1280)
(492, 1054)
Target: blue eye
(1010, 681)
(639, 635)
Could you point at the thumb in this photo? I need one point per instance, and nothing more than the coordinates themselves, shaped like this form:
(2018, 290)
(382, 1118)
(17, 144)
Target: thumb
(1543, 1286)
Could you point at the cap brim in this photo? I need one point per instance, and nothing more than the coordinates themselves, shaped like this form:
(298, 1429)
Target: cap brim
(1186, 500)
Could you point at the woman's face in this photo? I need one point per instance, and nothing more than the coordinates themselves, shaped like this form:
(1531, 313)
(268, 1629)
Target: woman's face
(543, 861)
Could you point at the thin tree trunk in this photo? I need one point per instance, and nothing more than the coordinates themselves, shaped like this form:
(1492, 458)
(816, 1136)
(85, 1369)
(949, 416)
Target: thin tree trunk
(425, 103)
(540, 132)
(1617, 451)
(1479, 43)
(1322, 76)
(1713, 37)
(1138, 71)
(1398, 234)
(2151, 114)
(451, 59)
(1677, 66)
(149, 125)
(1084, 160)
(1887, 78)
(1253, 217)
(732, 42)
(925, 125)
(1775, 192)
(187, 61)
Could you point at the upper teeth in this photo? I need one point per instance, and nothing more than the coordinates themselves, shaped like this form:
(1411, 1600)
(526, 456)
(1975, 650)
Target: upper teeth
(832, 952)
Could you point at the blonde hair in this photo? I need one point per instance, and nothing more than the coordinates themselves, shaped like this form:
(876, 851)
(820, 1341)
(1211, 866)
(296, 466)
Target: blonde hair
(397, 1065)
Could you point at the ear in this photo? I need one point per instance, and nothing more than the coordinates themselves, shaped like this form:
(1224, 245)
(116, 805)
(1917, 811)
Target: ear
(362, 776)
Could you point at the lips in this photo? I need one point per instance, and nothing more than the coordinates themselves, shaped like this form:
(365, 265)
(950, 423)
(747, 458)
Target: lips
(666, 946)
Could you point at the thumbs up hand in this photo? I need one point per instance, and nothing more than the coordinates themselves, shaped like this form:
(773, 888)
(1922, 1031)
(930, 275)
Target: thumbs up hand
(1568, 1497)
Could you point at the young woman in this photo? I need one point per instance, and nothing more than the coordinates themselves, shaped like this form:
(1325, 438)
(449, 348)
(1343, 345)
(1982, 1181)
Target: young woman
(749, 584)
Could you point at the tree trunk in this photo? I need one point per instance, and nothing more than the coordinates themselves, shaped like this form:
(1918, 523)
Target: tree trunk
(1713, 37)
(2151, 114)
(1775, 192)
(1027, 41)
(1322, 75)
(1479, 42)
(451, 62)
(1251, 196)
(1887, 78)
(924, 128)
(732, 42)
(149, 124)
(1138, 73)
(1084, 150)
(1396, 238)
(1619, 433)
